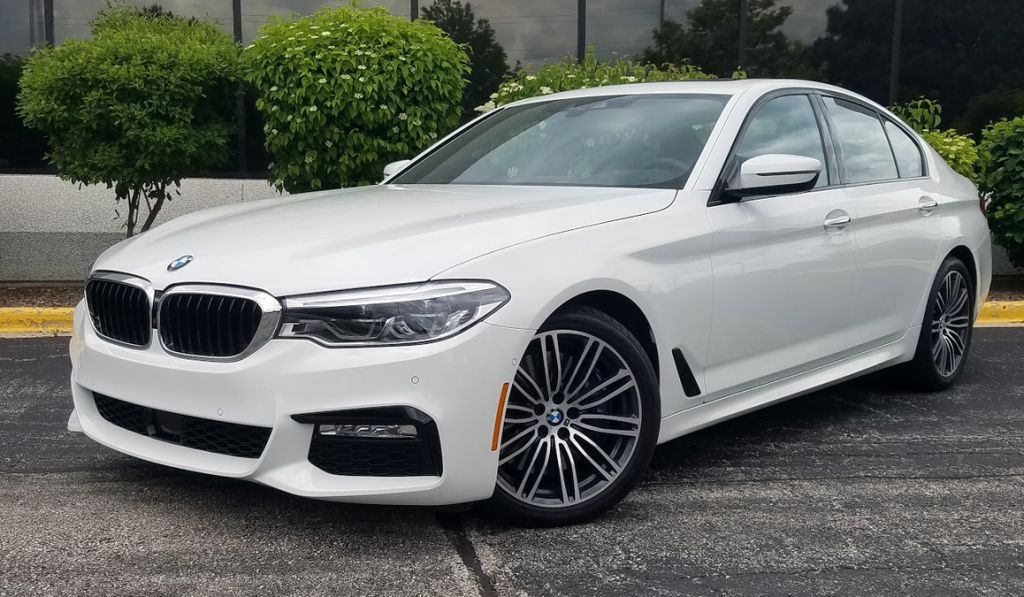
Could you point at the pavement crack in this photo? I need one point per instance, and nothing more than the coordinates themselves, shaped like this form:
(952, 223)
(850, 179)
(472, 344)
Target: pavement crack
(456, 530)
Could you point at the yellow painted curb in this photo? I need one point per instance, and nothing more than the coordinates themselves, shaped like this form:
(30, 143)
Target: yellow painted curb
(58, 320)
(1002, 312)
(36, 320)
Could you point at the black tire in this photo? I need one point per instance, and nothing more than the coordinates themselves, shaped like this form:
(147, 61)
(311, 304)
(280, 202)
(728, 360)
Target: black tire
(568, 502)
(928, 371)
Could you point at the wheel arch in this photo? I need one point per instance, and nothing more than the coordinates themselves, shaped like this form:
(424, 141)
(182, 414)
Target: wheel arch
(624, 310)
(964, 254)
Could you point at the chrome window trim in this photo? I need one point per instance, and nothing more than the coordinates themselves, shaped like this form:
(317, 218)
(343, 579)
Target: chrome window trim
(269, 320)
(142, 284)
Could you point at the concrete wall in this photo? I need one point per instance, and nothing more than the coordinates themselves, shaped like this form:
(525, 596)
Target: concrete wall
(51, 230)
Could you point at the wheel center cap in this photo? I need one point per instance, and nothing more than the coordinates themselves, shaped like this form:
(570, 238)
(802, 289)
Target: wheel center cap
(555, 416)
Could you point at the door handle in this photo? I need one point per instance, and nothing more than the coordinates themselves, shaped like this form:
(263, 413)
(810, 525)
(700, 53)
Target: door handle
(835, 223)
(927, 205)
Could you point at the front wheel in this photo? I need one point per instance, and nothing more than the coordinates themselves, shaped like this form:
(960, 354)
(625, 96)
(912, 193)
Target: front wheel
(946, 331)
(581, 422)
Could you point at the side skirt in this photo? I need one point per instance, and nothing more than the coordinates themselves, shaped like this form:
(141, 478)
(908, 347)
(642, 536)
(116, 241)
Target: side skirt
(709, 413)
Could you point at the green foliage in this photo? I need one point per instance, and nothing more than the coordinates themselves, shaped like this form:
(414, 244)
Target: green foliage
(487, 59)
(145, 102)
(959, 151)
(1002, 182)
(710, 38)
(921, 114)
(570, 74)
(347, 90)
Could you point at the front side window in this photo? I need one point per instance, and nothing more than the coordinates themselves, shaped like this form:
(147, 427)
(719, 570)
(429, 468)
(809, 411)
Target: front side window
(865, 153)
(785, 125)
(907, 152)
(622, 141)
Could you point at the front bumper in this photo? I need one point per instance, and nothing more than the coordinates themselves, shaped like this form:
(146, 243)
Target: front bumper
(456, 382)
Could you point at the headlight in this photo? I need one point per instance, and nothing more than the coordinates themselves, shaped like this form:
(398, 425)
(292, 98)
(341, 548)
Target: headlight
(407, 314)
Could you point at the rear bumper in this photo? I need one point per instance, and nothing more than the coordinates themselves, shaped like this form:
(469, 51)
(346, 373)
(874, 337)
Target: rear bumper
(456, 382)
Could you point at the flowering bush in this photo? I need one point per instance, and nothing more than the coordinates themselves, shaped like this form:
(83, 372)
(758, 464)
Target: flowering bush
(347, 90)
(1002, 181)
(570, 74)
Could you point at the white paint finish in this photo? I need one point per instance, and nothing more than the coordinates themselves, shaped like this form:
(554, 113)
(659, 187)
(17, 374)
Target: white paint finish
(784, 288)
(763, 300)
(367, 236)
(772, 170)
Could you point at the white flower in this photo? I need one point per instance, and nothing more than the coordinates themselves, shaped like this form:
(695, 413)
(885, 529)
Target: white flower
(309, 160)
(433, 135)
(362, 79)
(402, 58)
(545, 90)
(274, 88)
(359, 96)
(358, 52)
(328, 143)
(314, 26)
(346, 77)
(291, 39)
(403, 116)
(322, 80)
(383, 107)
(312, 108)
(629, 79)
(273, 131)
(361, 67)
(485, 108)
(513, 172)
(325, 33)
(330, 47)
(415, 122)
(289, 118)
(570, 76)
(494, 96)
(531, 78)
(394, 129)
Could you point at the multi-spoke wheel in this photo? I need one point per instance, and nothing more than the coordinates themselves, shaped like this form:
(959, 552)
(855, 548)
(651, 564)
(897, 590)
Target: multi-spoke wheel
(581, 421)
(946, 331)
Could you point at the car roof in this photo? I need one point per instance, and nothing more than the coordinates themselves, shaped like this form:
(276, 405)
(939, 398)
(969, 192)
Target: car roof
(693, 86)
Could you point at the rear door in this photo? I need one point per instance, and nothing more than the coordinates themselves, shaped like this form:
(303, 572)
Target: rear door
(783, 266)
(898, 234)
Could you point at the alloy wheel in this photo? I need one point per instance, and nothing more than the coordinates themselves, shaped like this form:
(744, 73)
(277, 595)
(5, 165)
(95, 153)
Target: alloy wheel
(950, 322)
(572, 421)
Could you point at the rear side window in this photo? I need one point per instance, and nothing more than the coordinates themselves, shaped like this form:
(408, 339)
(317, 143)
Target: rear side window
(865, 151)
(786, 125)
(907, 152)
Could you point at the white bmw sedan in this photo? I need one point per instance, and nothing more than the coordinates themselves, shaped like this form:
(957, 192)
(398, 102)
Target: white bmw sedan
(521, 313)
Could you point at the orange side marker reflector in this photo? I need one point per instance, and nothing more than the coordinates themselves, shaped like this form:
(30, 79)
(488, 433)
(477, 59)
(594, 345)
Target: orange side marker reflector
(497, 417)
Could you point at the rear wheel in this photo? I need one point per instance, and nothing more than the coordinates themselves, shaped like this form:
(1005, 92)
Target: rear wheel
(946, 331)
(581, 422)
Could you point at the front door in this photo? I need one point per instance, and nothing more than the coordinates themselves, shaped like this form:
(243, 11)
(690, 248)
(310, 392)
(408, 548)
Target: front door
(784, 267)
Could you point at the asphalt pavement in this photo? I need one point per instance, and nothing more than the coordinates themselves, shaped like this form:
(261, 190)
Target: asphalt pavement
(856, 490)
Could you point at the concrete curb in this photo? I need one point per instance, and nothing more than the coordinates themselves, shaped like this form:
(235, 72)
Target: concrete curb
(56, 321)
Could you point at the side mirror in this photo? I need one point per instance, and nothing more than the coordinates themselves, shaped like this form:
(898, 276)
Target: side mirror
(395, 167)
(775, 174)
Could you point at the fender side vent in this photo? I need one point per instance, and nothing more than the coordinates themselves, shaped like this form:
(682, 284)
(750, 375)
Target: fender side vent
(690, 387)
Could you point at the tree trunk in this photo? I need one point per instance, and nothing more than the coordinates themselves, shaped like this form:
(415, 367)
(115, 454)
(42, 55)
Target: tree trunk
(154, 208)
(133, 211)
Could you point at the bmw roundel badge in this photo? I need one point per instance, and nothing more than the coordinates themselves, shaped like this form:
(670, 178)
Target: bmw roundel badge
(179, 263)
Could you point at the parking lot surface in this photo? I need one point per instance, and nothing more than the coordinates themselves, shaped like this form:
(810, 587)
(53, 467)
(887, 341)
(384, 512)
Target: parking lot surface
(855, 490)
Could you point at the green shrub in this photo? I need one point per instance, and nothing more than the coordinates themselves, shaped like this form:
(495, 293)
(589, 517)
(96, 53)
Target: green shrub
(570, 74)
(959, 151)
(145, 102)
(925, 116)
(921, 114)
(1001, 180)
(347, 90)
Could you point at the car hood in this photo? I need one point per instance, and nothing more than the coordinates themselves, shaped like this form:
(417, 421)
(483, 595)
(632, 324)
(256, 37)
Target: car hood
(367, 236)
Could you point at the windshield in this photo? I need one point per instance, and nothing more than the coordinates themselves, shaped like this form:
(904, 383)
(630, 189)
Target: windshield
(620, 141)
